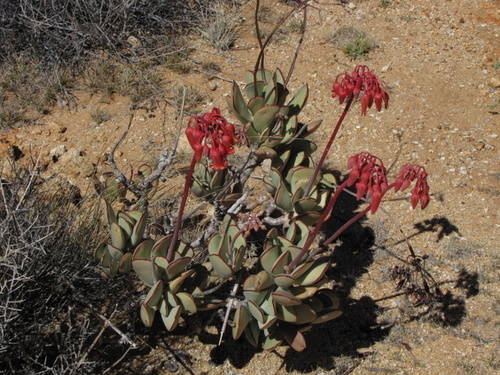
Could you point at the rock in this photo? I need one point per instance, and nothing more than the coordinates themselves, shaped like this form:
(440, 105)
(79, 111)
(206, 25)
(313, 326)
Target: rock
(74, 163)
(57, 151)
(71, 155)
(212, 86)
(57, 128)
(494, 82)
(87, 169)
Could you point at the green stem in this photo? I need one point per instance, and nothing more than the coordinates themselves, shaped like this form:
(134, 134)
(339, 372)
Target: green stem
(327, 149)
(178, 224)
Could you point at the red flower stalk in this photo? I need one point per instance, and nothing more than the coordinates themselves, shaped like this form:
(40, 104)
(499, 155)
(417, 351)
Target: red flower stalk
(361, 83)
(211, 135)
(420, 193)
(370, 176)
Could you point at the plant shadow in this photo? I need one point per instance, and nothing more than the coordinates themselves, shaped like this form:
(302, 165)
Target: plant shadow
(440, 224)
(357, 327)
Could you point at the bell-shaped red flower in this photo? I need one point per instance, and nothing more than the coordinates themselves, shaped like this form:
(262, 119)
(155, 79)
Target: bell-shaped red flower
(211, 135)
(420, 193)
(370, 176)
(364, 84)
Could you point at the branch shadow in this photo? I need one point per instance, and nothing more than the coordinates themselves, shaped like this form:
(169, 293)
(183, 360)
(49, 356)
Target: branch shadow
(339, 343)
(439, 224)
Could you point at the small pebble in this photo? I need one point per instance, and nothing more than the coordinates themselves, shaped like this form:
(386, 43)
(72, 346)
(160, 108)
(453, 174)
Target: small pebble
(170, 366)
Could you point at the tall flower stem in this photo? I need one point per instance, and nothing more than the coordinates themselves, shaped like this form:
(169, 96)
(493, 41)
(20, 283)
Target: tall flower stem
(178, 224)
(327, 148)
(341, 230)
(314, 233)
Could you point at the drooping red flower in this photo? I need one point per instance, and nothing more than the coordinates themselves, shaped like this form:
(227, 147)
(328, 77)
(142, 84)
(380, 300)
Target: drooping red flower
(420, 193)
(361, 83)
(211, 135)
(370, 176)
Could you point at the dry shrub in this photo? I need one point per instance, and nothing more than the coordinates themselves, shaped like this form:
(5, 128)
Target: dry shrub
(46, 234)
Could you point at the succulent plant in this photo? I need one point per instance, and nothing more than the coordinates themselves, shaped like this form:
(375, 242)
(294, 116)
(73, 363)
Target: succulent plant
(282, 303)
(226, 248)
(278, 320)
(269, 122)
(206, 180)
(111, 190)
(284, 292)
(290, 173)
(107, 186)
(173, 286)
(126, 231)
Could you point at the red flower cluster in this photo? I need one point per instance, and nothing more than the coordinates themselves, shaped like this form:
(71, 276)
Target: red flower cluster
(361, 82)
(213, 136)
(420, 193)
(371, 177)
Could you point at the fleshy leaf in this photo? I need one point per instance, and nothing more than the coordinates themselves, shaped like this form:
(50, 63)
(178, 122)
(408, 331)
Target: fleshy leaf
(283, 260)
(264, 117)
(252, 333)
(298, 101)
(154, 295)
(177, 266)
(175, 284)
(304, 314)
(255, 104)
(284, 281)
(115, 253)
(220, 266)
(294, 338)
(138, 231)
(118, 238)
(110, 214)
(274, 340)
(144, 269)
(263, 280)
(268, 305)
(147, 315)
(285, 298)
(287, 313)
(312, 127)
(187, 302)
(242, 317)
(328, 298)
(172, 319)
(269, 257)
(315, 273)
(327, 315)
(238, 106)
(125, 263)
(256, 311)
(270, 320)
